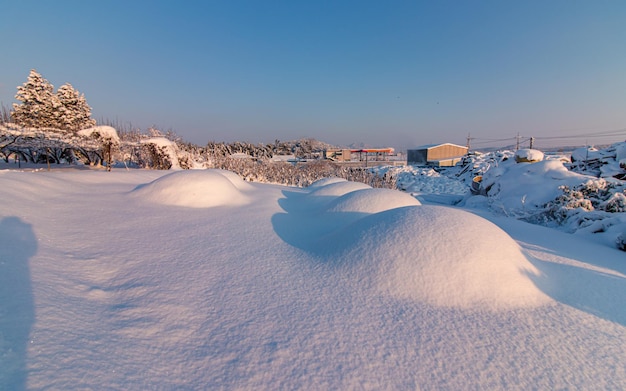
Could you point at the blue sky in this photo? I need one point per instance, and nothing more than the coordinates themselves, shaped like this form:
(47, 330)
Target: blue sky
(381, 73)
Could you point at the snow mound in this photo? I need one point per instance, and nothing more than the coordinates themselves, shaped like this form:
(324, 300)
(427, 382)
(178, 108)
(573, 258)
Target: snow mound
(528, 155)
(440, 256)
(322, 195)
(338, 188)
(422, 180)
(371, 201)
(585, 154)
(523, 187)
(193, 189)
(620, 152)
(167, 147)
(235, 179)
(103, 131)
(326, 181)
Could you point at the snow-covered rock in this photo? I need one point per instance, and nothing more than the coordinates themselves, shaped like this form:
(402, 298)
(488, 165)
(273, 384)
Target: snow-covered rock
(528, 155)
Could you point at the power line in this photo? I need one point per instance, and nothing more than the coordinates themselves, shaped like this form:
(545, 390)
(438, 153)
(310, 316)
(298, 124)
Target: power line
(606, 133)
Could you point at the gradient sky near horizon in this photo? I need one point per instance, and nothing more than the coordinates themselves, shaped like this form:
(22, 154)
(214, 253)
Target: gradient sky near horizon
(377, 73)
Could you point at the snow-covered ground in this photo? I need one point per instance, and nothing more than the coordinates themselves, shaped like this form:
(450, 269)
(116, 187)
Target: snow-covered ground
(584, 198)
(136, 280)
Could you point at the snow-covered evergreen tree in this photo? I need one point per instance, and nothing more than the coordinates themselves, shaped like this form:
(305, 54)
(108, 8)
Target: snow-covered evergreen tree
(39, 103)
(74, 113)
(42, 108)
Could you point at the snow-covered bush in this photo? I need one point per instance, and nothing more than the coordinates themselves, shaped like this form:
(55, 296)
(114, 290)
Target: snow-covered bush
(553, 192)
(5, 114)
(476, 164)
(424, 180)
(597, 194)
(621, 241)
(160, 155)
(301, 175)
(616, 203)
(107, 137)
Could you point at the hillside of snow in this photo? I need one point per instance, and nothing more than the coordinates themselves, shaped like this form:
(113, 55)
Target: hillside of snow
(139, 279)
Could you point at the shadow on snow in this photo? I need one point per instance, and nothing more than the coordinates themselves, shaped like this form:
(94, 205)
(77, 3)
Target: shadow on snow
(307, 225)
(17, 312)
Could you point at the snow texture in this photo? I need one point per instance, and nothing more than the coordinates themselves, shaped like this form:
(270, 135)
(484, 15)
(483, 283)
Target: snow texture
(529, 155)
(166, 146)
(195, 189)
(519, 186)
(103, 131)
(141, 279)
(442, 257)
(436, 255)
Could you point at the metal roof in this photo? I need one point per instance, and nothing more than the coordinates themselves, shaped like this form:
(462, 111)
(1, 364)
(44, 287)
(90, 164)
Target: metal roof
(430, 146)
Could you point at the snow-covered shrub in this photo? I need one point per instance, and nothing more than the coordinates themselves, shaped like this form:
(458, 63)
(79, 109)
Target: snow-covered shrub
(621, 241)
(476, 163)
(572, 207)
(5, 114)
(616, 203)
(426, 180)
(159, 158)
(108, 139)
(301, 175)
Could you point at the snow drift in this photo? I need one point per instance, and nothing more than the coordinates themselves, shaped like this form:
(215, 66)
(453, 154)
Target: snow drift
(388, 241)
(371, 201)
(100, 289)
(337, 188)
(195, 189)
(522, 186)
(437, 255)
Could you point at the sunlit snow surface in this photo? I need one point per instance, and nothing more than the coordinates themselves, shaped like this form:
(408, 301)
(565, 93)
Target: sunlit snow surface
(123, 280)
(195, 189)
(384, 238)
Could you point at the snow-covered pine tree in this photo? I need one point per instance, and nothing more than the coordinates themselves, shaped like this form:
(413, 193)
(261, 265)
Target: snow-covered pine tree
(39, 103)
(74, 113)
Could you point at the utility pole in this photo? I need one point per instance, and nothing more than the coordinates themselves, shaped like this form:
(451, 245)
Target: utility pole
(468, 142)
(532, 141)
(517, 142)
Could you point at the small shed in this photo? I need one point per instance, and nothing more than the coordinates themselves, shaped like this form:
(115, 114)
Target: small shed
(338, 154)
(439, 155)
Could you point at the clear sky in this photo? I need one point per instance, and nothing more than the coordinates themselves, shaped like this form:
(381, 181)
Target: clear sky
(381, 73)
